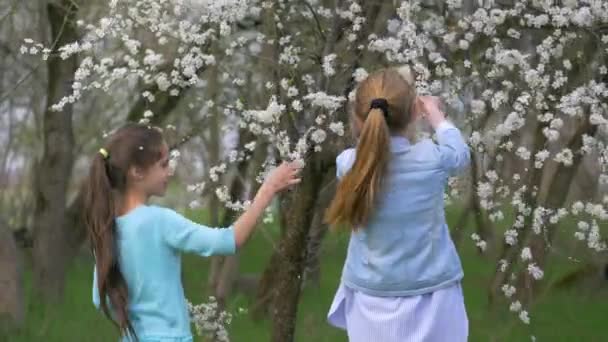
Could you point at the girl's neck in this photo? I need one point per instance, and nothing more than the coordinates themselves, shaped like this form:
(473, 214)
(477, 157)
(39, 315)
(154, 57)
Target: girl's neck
(130, 201)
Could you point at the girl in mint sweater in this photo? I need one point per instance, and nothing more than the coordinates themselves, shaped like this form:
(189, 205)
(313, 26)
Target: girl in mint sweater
(137, 246)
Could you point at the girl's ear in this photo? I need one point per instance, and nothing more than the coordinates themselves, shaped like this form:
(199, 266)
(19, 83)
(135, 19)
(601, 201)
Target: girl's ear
(135, 173)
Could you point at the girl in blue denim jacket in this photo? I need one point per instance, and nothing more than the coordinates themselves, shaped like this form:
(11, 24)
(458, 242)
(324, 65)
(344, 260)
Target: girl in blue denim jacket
(401, 278)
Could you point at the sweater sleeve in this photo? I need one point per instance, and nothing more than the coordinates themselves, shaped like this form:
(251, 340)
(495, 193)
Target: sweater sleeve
(187, 236)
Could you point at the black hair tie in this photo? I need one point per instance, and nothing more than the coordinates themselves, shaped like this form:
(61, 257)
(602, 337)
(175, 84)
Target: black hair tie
(381, 104)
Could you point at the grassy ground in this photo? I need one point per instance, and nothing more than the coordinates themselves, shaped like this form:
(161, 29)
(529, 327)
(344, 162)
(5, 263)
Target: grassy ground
(564, 315)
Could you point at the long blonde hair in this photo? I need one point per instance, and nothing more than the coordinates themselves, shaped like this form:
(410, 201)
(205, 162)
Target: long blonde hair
(358, 190)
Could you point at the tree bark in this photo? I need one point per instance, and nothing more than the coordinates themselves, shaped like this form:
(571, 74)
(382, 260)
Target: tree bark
(555, 198)
(483, 227)
(11, 280)
(225, 268)
(509, 253)
(280, 285)
(312, 270)
(472, 206)
(214, 157)
(292, 252)
(54, 169)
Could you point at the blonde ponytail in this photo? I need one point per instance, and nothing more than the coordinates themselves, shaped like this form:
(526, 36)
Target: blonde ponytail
(358, 191)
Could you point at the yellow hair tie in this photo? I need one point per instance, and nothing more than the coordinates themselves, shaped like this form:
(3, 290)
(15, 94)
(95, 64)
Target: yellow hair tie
(104, 153)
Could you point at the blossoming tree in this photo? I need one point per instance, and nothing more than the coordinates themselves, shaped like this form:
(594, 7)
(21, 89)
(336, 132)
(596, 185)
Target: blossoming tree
(526, 80)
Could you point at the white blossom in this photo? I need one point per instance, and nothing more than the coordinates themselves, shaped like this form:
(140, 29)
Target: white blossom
(328, 67)
(526, 254)
(540, 157)
(292, 91)
(478, 107)
(198, 188)
(337, 127)
(321, 99)
(318, 136)
(523, 316)
(503, 264)
(297, 105)
(535, 271)
(360, 74)
(565, 157)
(515, 306)
(511, 236)
(523, 153)
(271, 114)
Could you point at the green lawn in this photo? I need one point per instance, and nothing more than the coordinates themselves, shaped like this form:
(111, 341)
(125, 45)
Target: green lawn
(567, 315)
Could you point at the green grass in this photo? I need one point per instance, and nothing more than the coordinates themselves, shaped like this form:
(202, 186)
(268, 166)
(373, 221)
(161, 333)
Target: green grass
(565, 315)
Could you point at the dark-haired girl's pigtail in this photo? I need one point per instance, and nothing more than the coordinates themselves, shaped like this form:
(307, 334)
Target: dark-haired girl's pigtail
(99, 216)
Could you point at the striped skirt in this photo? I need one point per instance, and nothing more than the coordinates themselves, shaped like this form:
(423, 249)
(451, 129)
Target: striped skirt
(438, 316)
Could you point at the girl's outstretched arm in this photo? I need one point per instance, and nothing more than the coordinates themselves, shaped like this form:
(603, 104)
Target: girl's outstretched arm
(280, 178)
(187, 236)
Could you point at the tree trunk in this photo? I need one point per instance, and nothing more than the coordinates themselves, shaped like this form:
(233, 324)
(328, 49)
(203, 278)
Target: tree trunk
(280, 285)
(554, 199)
(54, 169)
(292, 252)
(509, 253)
(483, 227)
(312, 270)
(11, 282)
(223, 277)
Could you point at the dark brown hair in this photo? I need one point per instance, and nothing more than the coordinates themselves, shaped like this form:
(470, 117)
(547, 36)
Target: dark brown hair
(132, 145)
(357, 191)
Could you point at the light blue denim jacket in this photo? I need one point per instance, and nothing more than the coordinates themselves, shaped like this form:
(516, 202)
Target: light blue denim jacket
(405, 248)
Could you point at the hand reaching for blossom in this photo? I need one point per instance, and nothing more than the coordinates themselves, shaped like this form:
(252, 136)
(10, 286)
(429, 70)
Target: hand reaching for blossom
(283, 176)
(279, 179)
(429, 107)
